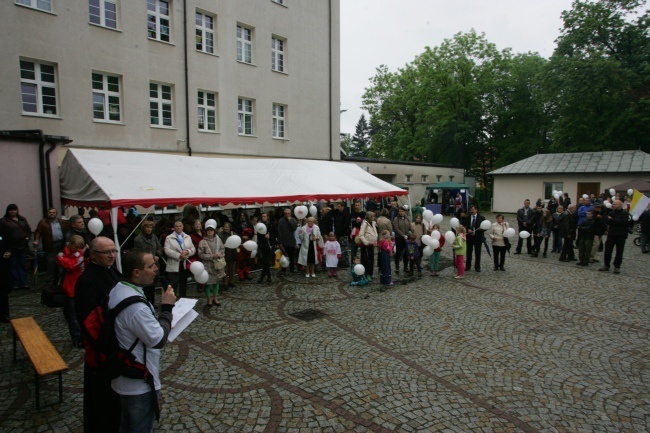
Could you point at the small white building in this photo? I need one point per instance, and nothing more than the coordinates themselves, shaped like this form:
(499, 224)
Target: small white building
(574, 173)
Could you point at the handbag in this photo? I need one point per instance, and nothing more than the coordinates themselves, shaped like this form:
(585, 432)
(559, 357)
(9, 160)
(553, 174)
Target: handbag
(219, 263)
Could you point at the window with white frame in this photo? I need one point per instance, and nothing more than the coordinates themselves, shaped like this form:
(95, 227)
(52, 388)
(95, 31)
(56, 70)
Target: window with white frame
(245, 116)
(407, 178)
(279, 119)
(106, 97)
(160, 104)
(549, 187)
(277, 53)
(205, 33)
(423, 178)
(43, 5)
(38, 85)
(244, 44)
(158, 20)
(103, 13)
(207, 111)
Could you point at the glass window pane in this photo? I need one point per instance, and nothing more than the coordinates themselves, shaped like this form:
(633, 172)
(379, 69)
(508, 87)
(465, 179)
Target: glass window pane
(47, 73)
(98, 81)
(199, 39)
(45, 5)
(198, 19)
(98, 106)
(164, 8)
(94, 11)
(27, 70)
(153, 90)
(113, 83)
(29, 98)
(211, 99)
(151, 5)
(166, 92)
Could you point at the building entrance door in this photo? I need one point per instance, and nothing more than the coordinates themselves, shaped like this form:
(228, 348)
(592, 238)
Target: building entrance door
(588, 188)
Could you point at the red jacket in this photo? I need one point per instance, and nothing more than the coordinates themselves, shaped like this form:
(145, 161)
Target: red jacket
(74, 265)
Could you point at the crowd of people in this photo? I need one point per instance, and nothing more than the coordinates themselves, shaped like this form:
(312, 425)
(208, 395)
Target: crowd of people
(381, 237)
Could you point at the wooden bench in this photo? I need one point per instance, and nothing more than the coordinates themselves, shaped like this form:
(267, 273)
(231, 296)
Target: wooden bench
(44, 357)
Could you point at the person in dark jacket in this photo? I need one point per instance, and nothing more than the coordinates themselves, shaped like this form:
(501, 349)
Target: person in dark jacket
(568, 223)
(618, 222)
(17, 232)
(644, 222)
(342, 230)
(475, 234)
(286, 228)
(266, 246)
(524, 216)
(586, 229)
(101, 406)
(599, 230)
(50, 232)
(5, 286)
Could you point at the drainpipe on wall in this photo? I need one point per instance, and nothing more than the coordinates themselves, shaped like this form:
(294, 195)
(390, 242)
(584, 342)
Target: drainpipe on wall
(187, 84)
(48, 176)
(329, 31)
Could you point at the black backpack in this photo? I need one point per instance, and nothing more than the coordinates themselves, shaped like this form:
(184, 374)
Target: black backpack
(102, 348)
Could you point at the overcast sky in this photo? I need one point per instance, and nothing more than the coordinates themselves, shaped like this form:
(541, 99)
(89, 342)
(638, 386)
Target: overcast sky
(376, 32)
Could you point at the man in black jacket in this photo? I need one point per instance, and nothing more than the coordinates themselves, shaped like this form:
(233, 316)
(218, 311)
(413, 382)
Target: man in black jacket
(101, 407)
(568, 223)
(286, 237)
(472, 223)
(341, 217)
(524, 216)
(618, 223)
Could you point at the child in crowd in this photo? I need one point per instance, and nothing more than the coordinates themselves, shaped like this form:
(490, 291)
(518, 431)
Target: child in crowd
(413, 252)
(460, 248)
(332, 255)
(357, 280)
(385, 245)
(244, 256)
(434, 260)
(71, 259)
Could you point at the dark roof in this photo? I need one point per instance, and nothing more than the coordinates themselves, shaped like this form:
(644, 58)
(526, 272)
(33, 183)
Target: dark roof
(33, 135)
(393, 161)
(625, 161)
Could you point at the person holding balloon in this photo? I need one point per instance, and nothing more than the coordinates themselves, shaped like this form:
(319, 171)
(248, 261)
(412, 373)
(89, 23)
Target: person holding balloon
(460, 248)
(498, 235)
(310, 236)
(474, 228)
(178, 248)
(434, 261)
(210, 249)
(265, 241)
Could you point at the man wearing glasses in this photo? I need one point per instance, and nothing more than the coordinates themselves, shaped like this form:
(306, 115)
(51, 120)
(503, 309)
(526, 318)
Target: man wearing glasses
(101, 404)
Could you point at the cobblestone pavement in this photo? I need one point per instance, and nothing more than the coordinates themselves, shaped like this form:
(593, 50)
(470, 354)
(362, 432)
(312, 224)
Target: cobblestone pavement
(544, 346)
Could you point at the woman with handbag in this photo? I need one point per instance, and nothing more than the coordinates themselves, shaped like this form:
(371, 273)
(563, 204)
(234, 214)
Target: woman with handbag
(178, 248)
(499, 242)
(212, 252)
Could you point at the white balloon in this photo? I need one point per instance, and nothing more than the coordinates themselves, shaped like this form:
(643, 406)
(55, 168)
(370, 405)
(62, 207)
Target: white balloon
(95, 226)
(406, 207)
(585, 196)
(612, 192)
(202, 278)
(630, 192)
(197, 268)
(426, 239)
(260, 228)
(454, 222)
(284, 261)
(524, 234)
(250, 245)
(211, 222)
(450, 237)
(557, 196)
(554, 191)
(313, 210)
(435, 235)
(300, 212)
(509, 232)
(435, 244)
(635, 218)
(437, 218)
(253, 254)
(233, 242)
(608, 205)
(427, 251)
(560, 192)
(485, 225)
(427, 215)
(359, 269)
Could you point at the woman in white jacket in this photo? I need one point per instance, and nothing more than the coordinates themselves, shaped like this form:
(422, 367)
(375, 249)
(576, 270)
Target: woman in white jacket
(368, 236)
(178, 248)
(310, 236)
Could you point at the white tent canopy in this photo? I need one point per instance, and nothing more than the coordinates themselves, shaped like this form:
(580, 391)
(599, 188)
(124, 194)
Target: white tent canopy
(116, 178)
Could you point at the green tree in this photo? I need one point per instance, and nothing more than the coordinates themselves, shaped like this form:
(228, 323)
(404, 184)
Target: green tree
(361, 139)
(597, 83)
(346, 142)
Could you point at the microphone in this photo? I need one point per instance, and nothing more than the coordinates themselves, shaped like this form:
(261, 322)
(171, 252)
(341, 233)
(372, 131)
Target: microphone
(164, 282)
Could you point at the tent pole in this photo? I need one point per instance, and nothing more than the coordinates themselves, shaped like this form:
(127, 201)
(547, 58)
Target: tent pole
(136, 227)
(118, 259)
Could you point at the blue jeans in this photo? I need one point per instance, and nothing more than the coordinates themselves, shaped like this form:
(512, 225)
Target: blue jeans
(18, 267)
(138, 412)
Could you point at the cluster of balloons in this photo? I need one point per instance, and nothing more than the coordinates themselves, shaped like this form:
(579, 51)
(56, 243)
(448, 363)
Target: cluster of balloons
(301, 212)
(200, 274)
(557, 194)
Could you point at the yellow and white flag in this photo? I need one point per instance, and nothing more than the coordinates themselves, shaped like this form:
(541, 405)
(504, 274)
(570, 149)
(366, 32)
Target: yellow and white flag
(639, 204)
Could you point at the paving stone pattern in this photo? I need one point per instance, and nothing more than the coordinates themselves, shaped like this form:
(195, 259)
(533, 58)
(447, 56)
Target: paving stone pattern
(542, 347)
